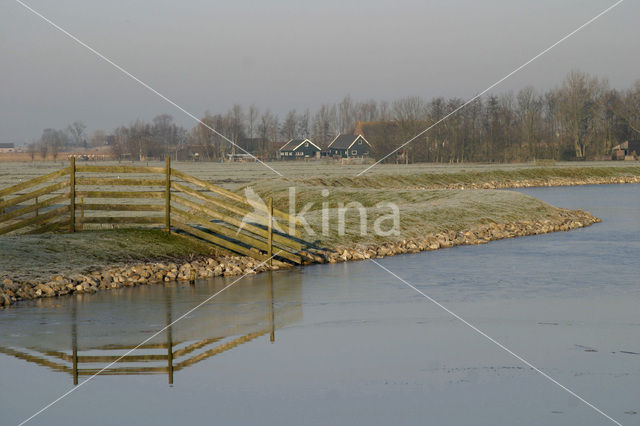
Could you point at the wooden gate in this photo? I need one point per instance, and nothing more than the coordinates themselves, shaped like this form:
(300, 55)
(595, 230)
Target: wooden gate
(85, 197)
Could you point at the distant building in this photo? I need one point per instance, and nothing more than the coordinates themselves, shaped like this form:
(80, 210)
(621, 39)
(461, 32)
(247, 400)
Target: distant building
(348, 146)
(7, 147)
(241, 158)
(629, 150)
(299, 149)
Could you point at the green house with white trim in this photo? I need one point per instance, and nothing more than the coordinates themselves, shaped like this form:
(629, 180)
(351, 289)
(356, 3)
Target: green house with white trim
(297, 149)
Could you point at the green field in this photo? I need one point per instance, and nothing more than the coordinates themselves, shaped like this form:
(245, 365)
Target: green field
(232, 175)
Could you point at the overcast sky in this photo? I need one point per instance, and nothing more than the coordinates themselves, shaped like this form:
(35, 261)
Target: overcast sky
(208, 55)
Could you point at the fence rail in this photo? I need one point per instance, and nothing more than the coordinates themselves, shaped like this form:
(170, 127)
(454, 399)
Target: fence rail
(87, 197)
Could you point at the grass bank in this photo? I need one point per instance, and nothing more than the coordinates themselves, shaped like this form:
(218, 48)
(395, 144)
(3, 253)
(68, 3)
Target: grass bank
(433, 211)
(496, 178)
(36, 257)
(421, 212)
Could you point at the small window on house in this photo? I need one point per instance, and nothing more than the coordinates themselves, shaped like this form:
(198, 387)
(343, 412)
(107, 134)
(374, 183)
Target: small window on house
(306, 144)
(360, 142)
(354, 152)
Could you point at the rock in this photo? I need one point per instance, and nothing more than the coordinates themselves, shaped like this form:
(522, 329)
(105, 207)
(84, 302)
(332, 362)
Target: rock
(10, 285)
(45, 289)
(4, 299)
(106, 279)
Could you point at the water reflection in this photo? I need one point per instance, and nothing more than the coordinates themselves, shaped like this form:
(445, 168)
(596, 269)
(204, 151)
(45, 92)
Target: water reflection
(81, 335)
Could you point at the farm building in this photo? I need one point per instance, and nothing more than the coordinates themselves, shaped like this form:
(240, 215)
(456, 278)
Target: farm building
(346, 146)
(7, 147)
(298, 149)
(629, 150)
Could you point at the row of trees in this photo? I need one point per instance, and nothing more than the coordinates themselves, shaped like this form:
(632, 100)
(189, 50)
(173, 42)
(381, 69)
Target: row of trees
(142, 140)
(53, 141)
(582, 118)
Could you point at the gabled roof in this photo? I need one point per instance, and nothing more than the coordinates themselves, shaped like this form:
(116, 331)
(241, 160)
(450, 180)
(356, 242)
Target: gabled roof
(289, 146)
(294, 144)
(343, 141)
(628, 145)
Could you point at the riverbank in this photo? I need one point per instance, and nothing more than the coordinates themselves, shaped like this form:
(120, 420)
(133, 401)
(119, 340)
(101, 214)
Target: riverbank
(426, 175)
(435, 210)
(203, 266)
(486, 179)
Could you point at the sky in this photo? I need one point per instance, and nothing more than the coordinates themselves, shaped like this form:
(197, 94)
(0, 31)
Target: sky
(284, 54)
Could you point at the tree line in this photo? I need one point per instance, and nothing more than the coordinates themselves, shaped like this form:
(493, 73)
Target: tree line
(581, 119)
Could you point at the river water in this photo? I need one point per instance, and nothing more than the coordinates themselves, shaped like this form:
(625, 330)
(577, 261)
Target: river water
(351, 344)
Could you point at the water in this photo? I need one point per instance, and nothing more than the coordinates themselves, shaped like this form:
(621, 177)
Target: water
(350, 344)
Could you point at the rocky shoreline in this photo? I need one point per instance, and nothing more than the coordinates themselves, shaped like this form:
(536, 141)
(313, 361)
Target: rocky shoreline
(539, 182)
(151, 273)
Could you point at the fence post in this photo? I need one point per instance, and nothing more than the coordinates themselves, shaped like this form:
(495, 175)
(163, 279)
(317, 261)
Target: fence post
(270, 232)
(72, 195)
(272, 316)
(167, 195)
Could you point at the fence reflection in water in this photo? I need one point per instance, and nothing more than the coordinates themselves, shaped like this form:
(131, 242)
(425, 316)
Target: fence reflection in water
(85, 333)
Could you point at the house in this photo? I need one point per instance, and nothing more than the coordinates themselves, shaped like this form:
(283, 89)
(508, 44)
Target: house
(629, 150)
(298, 149)
(7, 147)
(347, 146)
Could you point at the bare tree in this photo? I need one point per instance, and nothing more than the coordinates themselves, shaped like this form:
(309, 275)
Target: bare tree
(236, 125)
(268, 131)
(303, 124)
(77, 133)
(578, 105)
(44, 149)
(31, 150)
(384, 112)
(98, 138)
(119, 148)
(409, 109)
(628, 107)
(289, 129)
(529, 112)
(322, 131)
(252, 120)
(54, 140)
(55, 150)
(346, 114)
(164, 131)
(366, 111)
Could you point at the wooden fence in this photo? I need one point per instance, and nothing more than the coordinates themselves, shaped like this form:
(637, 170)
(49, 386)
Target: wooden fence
(85, 197)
